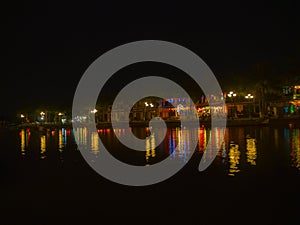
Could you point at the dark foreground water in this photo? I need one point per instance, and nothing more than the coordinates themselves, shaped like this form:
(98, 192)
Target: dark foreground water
(255, 179)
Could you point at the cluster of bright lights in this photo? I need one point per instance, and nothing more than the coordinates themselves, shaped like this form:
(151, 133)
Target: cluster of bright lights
(231, 94)
(42, 115)
(79, 119)
(249, 96)
(94, 111)
(146, 104)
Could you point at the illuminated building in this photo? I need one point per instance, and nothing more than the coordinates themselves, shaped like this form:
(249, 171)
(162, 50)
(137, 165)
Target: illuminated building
(295, 103)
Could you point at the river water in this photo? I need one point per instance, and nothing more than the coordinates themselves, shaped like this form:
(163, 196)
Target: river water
(254, 178)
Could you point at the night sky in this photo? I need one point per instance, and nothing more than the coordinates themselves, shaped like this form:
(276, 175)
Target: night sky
(48, 46)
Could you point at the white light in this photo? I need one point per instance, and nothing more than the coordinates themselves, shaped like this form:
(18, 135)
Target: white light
(94, 111)
(22, 116)
(151, 104)
(60, 114)
(234, 94)
(249, 96)
(146, 104)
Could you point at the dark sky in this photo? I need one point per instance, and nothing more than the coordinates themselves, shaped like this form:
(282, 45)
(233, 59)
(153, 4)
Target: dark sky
(48, 46)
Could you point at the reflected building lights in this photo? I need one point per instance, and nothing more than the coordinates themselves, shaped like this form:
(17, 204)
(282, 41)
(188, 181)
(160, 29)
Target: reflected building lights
(172, 141)
(202, 139)
(237, 151)
(64, 136)
(25, 140)
(179, 140)
(95, 143)
(43, 147)
(81, 134)
(180, 146)
(22, 134)
(60, 141)
(153, 152)
(183, 135)
(251, 151)
(295, 148)
(147, 153)
(150, 148)
(234, 159)
(216, 144)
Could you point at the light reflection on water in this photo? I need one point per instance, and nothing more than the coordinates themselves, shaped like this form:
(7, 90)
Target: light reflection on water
(239, 148)
(43, 146)
(150, 149)
(295, 148)
(25, 140)
(251, 151)
(234, 159)
(95, 143)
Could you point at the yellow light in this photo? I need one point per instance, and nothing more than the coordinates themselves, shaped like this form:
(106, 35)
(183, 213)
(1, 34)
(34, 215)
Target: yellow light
(234, 159)
(295, 147)
(95, 143)
(43, 146)
(150, 148)
(251, 151)
(60, 141)
(23, 142)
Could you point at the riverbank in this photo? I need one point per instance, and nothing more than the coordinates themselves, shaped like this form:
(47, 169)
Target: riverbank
(286, 122)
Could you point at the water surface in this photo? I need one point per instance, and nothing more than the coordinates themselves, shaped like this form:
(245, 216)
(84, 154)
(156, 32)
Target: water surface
(255, 175)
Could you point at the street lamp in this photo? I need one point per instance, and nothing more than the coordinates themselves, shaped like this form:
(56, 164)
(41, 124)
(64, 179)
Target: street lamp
(94, 111)
(42, 115)
(60, 117)
(146, 110)
(232, 95)
(249, 96)
(22, 116)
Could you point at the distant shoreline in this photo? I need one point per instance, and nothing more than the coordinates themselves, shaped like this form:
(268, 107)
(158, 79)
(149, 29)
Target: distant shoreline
(289, 122)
